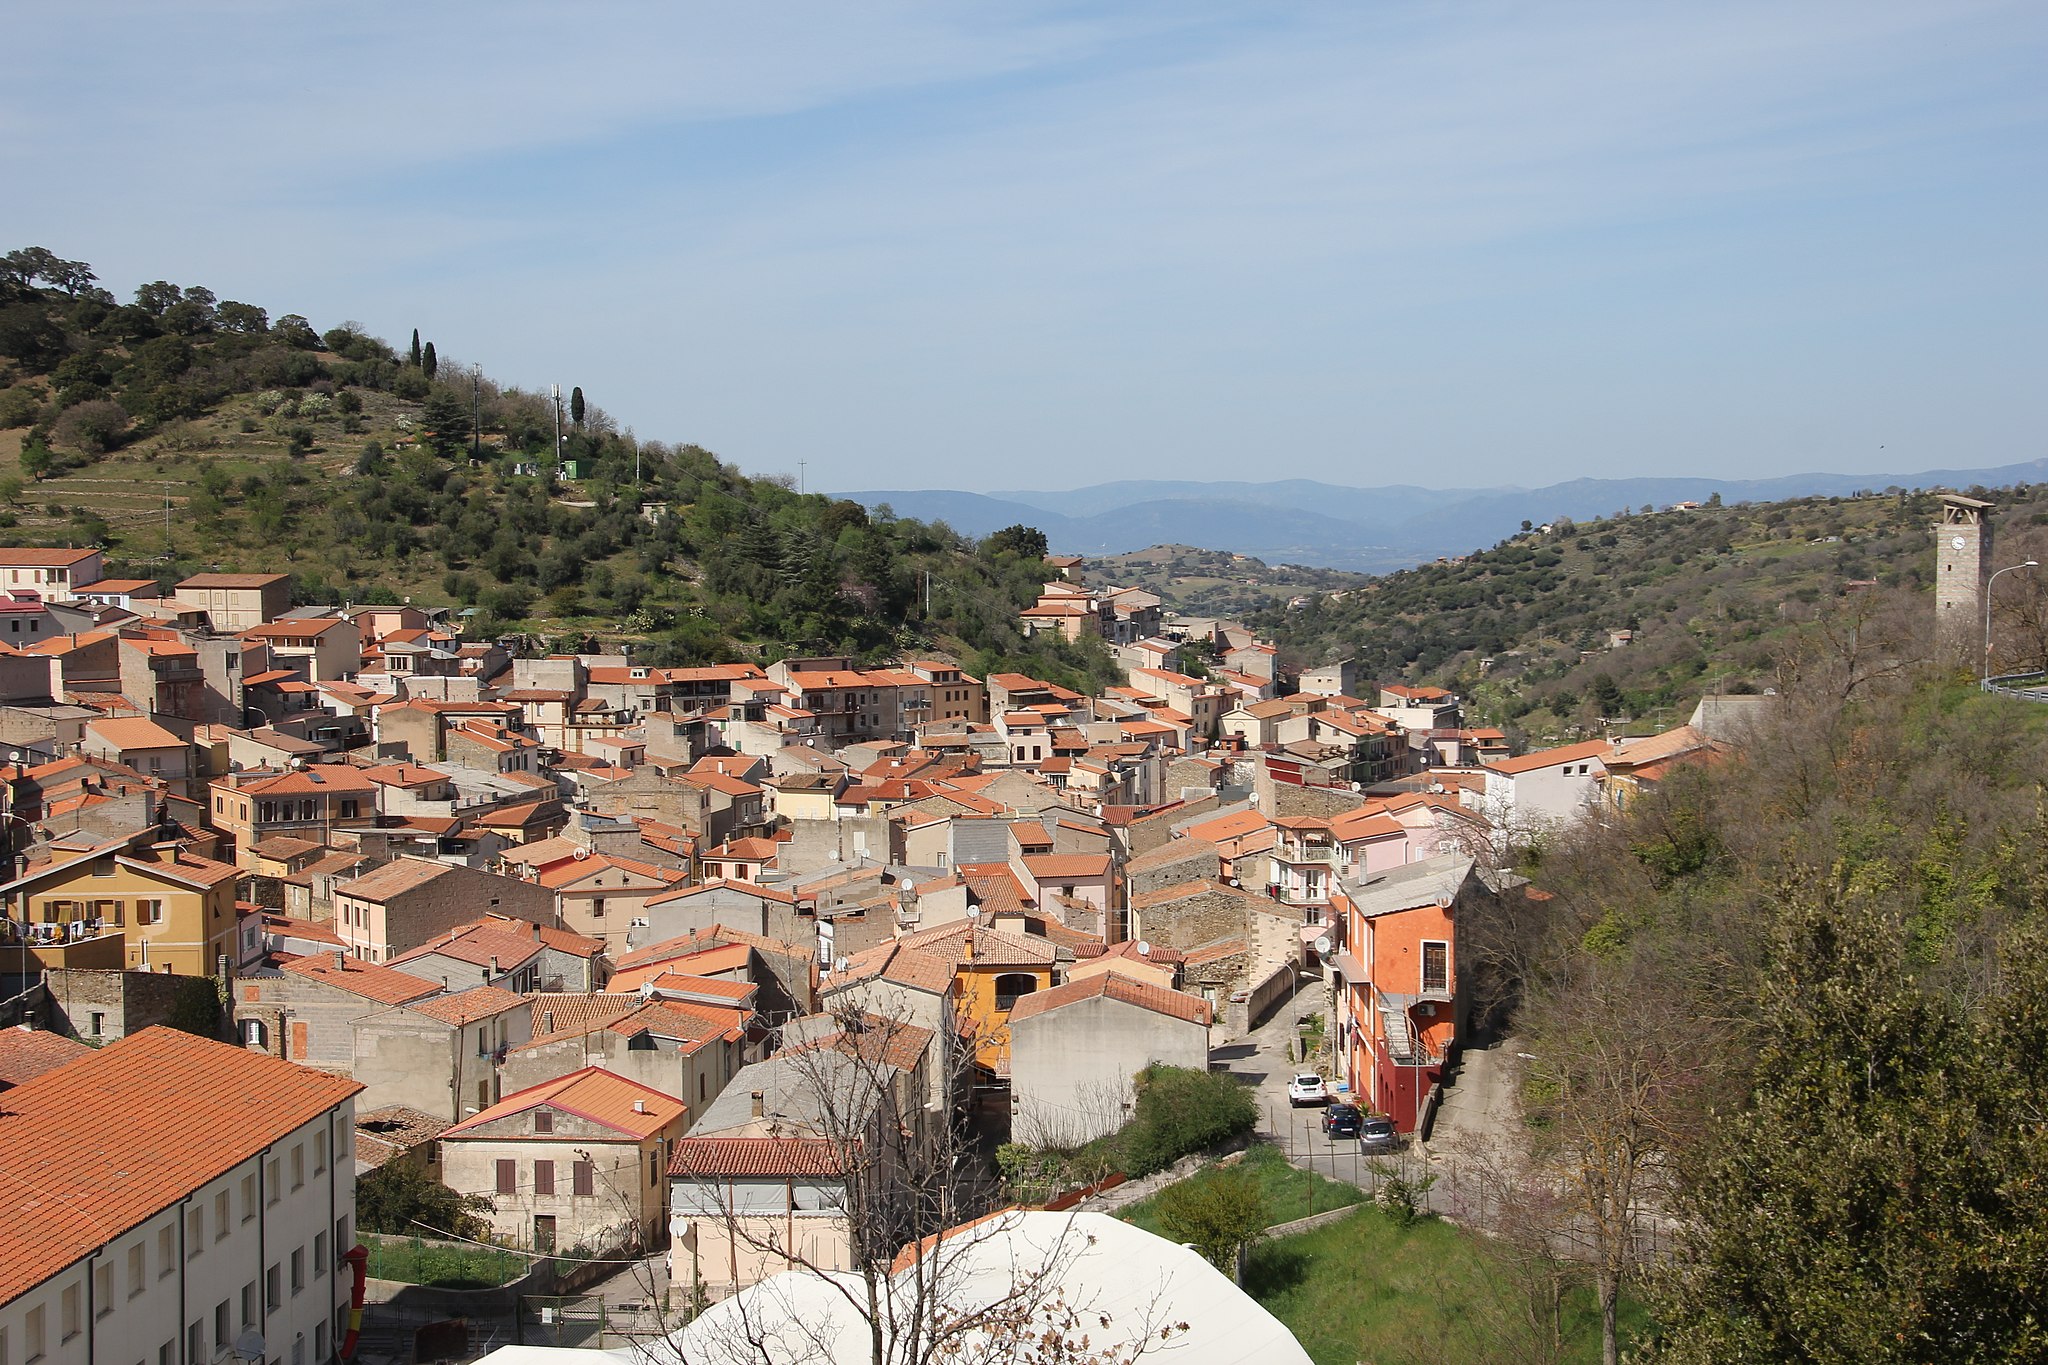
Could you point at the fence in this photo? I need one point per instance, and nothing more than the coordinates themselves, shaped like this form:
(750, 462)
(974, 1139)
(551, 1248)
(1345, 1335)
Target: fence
(2022, 686)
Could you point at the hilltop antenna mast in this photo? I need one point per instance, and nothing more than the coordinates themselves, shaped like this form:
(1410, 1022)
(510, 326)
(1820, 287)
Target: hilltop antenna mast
(476, 412)
(801, 467)
(558, 429)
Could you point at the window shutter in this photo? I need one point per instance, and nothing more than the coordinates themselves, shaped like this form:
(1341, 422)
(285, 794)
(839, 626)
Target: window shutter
(585, 1178)
(543, 1177)
(508, 1177)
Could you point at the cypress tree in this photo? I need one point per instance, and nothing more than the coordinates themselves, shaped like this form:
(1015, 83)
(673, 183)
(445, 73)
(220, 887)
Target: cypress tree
(428, 361)
(576, 405)
(415, 348)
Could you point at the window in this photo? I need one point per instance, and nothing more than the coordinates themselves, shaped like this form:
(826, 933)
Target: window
(249, 1304)
(1436, 966)
(96, 1025)
(583, 1178)
(256, 1034)
(102, 1290)
(166, 1250)
(319, 1255)
(299, 1349)
(220, 1322)
(298, 1165)
(543, 1177)
(341, 1241)
(195, 1233)
(167, 1354)
(341, 1142)
(319, 1153)
(508, 1177)
(298, 1270)
(136, 1273)
(273, 1288)
(103, 867)
(149, 912)
(654, 1166)
(543, 1120)
(220, 1215)
(1010, 985)
(32, 1330)
(248, 1196)
(275, 1191)
(320, 1341)
(74, 1313)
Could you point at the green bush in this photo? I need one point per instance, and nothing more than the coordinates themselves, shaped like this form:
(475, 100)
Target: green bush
(1180, 1111)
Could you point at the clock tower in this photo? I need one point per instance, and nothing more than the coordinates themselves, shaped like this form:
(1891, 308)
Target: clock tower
(1962, 548)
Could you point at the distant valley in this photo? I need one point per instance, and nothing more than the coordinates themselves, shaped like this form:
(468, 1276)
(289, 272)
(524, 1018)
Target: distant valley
(1363, 530)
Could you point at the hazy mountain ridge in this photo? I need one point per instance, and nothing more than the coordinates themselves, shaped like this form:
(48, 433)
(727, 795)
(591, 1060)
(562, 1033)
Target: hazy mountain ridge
(1371, 530)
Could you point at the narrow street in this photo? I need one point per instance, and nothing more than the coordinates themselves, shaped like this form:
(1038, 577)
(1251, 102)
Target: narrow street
(1473, 1137)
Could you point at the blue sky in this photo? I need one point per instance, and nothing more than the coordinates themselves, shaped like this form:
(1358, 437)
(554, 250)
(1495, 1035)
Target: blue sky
(999, 245)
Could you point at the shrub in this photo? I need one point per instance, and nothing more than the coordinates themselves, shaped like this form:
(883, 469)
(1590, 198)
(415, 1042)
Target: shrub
(1181, 1110)
(94, 428)
(18, 407)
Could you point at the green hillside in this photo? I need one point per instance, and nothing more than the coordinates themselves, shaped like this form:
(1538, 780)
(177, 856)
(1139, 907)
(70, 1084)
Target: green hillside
(1198, 582)
(371, 474)
(1710, 598)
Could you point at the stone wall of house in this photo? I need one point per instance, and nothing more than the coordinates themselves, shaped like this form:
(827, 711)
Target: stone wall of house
(817, 844)
(1208, 912)
(1285, 799)
(1200, 860)
(100, 1006)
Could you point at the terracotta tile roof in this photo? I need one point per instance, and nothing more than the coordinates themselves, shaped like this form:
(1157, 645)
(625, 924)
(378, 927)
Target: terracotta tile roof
(394, 878)
(478, 944)
(1232, 826)
(466, 1007)
(754, 1156)
(766, 893)
(697, 940)
(1213, 952)
(899, 964)
(394, 1130)
(991, 947)
(26, 1053)
(875, 1038)
(231, 580)
(93, 1149)
(1171, 852)
(1166, 895)
(370, 980)
(710, 989)
(35, 557)
(1109, 985)
(320, 777)
(1550, 758)
(133, 732)
(592, 1093)
(1053, 866)
(706, 960)
(681, 1020)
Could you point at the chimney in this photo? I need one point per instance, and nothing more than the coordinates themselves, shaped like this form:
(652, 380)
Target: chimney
(340, 960)
(639, 1106)
(536, 931)
(760, 1105)
(494, 964)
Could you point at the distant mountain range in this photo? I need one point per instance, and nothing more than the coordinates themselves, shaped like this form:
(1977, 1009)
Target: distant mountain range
(1367, 530)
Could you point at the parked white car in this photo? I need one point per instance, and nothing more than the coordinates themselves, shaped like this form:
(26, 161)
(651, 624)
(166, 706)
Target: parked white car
(1307, 1088)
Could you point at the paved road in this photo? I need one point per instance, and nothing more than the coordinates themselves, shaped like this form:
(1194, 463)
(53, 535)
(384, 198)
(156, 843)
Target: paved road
(1476, 1121)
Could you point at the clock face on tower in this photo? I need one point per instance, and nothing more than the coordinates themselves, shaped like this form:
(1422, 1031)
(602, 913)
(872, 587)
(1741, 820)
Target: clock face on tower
(1957, 542)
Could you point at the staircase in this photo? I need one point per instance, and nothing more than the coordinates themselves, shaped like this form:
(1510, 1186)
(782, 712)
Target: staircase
(1400, 1038)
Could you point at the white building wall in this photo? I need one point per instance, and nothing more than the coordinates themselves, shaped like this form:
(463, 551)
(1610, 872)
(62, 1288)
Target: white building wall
(154, 1293)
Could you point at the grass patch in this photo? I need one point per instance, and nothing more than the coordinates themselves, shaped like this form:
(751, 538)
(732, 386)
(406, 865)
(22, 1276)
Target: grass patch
(415, 1261)
(1366, 1288)
(1290, 1192)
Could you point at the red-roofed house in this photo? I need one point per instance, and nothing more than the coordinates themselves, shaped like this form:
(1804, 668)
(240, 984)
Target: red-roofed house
(577, 1161)
(1076, 1049)
(1543, 789)
(164, 1175)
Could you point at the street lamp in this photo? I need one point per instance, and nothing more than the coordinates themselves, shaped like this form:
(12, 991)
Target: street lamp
(1990, 583)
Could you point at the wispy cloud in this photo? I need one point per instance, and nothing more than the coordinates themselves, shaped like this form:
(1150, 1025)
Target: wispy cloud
(963, 244)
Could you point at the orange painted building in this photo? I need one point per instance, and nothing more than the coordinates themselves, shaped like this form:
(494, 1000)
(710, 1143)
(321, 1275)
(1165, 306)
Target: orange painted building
(1401, 1005)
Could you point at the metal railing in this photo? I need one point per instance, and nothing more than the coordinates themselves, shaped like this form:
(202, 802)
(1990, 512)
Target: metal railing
(2021, 686)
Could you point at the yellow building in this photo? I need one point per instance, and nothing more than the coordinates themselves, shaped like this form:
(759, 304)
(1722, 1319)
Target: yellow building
(169, 910)
(992, 969)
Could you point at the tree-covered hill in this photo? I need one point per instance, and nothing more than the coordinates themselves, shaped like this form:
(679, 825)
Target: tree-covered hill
(372, 473)
(1529, 628)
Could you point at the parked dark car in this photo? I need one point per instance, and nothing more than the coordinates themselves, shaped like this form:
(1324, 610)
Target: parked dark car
(1376, 1134)
(1342, 1120)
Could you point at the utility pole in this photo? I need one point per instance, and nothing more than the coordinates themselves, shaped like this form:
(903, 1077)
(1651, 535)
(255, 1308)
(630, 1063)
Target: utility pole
(801, 467)
(167, 521)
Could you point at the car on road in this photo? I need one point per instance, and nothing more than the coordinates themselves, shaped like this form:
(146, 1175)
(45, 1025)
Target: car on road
(1376, 1134)
(1307, 1088)
(1342, 1120)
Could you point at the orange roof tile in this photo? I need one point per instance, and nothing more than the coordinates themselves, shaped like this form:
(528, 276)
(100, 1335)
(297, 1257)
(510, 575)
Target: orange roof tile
(755, 1156)
(466, 1007)
(1109, 985)
(370, 980)
(97, 1147)
(1550, 758)
(593, 1093)
(26, 1053)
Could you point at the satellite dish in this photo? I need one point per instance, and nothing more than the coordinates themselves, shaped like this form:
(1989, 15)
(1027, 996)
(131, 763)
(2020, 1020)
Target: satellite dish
(908, 886)
(1144, 947)
(580, 854)
(973, 913)
(1323, 946)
